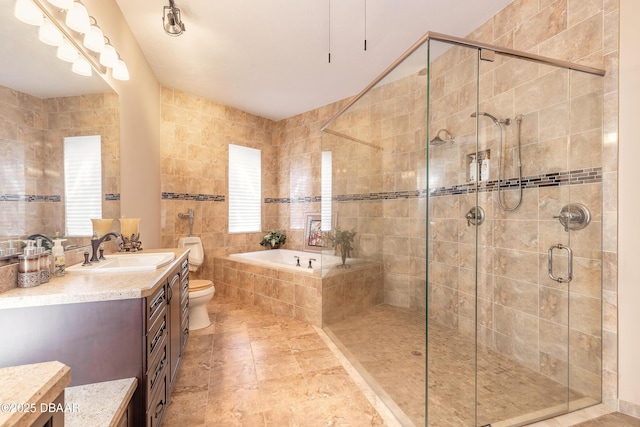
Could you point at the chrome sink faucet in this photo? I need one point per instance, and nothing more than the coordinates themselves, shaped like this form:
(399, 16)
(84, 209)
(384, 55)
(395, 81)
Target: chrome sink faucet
(40, 236)
(95, 244)
(311, 259)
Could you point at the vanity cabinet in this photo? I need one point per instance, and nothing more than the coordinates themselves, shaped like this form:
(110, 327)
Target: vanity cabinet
(109, 340)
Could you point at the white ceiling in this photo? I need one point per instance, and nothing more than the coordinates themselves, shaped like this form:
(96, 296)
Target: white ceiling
(268, 58)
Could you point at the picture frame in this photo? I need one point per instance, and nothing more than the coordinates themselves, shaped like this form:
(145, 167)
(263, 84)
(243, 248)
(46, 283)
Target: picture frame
(314, 238)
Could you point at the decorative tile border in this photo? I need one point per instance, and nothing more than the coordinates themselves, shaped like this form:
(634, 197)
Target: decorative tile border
(287, 200)
(30, 198)
(574, 177)
(194, 197)
(55, 198)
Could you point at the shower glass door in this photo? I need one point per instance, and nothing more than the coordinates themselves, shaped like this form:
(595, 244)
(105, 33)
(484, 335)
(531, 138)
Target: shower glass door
(539, 251)
(514, 218)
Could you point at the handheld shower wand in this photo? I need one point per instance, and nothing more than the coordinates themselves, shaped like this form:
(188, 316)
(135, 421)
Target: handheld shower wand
(499, 123)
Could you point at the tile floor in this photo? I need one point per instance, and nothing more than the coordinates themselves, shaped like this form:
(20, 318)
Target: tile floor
(251, 368)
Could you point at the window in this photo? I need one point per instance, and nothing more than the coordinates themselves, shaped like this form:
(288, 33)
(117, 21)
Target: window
(245, 189)
(82, 184)
(325, 191)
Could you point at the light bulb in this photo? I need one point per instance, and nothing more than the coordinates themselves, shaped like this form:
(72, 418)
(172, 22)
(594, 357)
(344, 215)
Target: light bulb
(120, 71)
(28, 12)
(78, 18)
(81, 66)
(67, 52)
(49, 34)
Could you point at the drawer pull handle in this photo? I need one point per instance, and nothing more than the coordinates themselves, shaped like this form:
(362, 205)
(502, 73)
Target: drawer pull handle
(159, 408)
(157, 373)
(158, 336)
(157, 303)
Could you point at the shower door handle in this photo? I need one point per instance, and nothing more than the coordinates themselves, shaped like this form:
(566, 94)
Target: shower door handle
(569, 263)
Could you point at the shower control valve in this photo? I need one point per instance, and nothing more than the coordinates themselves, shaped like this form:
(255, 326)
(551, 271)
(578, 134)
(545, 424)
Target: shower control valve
(475, 216)
(574, 216)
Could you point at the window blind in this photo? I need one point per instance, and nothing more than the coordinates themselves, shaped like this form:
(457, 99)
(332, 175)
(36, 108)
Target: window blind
(82, 184)
(245, 189)
(325, 191)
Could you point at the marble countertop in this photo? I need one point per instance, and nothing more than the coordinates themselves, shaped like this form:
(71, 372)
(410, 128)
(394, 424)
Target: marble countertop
(25, 387)
(98, 404)
(79, 288)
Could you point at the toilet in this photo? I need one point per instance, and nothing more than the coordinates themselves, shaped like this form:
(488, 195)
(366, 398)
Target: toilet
(200, 291)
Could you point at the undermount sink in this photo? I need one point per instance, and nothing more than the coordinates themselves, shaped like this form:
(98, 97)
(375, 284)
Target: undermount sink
(130, 262)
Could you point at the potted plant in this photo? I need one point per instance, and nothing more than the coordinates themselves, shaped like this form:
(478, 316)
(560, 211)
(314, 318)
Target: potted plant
(343, 240)
(273, 239)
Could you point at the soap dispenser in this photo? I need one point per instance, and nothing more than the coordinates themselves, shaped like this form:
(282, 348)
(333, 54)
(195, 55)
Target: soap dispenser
(473, 168)
(485, 168)
(28, 267)
(58, 257)
(44, 262)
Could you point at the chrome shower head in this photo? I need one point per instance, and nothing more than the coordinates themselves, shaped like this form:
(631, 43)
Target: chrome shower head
(448, 138)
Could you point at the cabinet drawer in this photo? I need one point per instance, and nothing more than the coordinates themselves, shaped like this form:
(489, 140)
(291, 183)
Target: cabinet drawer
(155, 304)
(155, 336)
(157, 404)
(157, 370)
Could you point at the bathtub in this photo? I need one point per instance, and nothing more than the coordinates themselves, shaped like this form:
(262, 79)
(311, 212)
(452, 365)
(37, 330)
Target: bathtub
(285, 258)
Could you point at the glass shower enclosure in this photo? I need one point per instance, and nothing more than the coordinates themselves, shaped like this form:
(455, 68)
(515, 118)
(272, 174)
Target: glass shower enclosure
(471, 176)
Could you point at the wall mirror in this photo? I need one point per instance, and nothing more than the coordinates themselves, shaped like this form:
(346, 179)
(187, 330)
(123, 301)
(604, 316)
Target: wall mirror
(41, 102)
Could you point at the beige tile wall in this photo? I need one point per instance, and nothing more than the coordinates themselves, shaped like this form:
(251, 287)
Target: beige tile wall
(196, 134)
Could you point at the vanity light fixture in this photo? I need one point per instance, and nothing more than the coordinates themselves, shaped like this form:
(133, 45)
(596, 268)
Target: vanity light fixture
(78, 18)
(78, 37)
(120, 71)
(94, 38)
(109, 56)
(67, 52)
(81, 66)
(28, 12)
(171, 20)
(49, 34)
